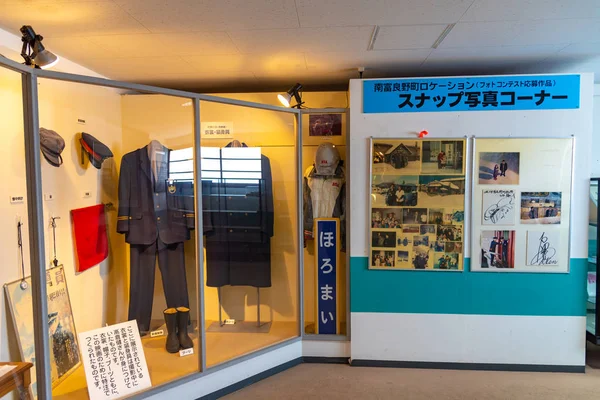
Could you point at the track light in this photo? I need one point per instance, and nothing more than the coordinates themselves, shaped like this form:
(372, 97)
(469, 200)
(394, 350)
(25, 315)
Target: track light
(294, 92)
(34, 52)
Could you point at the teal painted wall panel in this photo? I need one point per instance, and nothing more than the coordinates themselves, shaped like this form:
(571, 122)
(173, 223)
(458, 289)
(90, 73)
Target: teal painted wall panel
(484, 293)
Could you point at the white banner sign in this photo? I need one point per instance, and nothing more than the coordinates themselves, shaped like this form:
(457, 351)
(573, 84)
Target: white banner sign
(114, 361)
(216, 130)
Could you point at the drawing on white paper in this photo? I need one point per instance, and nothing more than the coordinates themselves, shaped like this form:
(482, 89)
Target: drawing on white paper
(498, 207)
(543, 247)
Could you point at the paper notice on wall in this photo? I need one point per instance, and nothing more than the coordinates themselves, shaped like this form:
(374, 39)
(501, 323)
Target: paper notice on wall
(216, 130)
(114, 362)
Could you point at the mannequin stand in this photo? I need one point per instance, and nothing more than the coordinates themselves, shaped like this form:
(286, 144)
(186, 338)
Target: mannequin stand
(240, 326)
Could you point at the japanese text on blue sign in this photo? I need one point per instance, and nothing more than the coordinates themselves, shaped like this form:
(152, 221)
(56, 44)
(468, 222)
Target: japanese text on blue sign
(490, 93)
(327, 256)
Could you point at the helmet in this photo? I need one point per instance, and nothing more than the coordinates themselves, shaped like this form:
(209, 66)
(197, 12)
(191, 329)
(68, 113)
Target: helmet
(327, 159)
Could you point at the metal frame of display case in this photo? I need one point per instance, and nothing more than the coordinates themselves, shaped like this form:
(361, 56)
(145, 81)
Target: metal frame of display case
(29, 77)
(594, 337)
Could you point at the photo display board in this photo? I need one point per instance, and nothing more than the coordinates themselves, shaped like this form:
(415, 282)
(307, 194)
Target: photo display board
(521, 205)
(417, 204)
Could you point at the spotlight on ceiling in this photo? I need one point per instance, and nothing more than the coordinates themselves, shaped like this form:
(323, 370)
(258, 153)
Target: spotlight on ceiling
(34, 52)
(294, 92)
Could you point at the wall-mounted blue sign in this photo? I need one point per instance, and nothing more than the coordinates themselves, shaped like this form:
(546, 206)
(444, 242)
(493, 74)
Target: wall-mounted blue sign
(489, 93)
(327, 256)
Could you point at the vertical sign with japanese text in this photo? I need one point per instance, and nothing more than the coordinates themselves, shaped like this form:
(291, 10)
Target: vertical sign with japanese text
(484, 93)
(327, 251)
(114, 361)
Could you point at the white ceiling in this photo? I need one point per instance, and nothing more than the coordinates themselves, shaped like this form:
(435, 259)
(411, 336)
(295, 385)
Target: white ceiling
(223, 45)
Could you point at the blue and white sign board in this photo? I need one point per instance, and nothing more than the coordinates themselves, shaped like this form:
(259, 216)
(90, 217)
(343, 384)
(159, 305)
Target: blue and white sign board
(486, 93)
(327, 250)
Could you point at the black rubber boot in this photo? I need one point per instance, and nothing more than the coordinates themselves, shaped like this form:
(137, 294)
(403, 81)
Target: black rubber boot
(183, 317)
(172, 344)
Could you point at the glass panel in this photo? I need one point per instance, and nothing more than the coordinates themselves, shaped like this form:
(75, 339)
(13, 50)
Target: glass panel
(17, 343)
(249, 188)
(592, 260)
(124, 236)
(323, 142)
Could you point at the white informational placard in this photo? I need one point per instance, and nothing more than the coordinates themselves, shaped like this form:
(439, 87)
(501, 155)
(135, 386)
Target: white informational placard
(216, 130)
(521, 205)
(114, 361)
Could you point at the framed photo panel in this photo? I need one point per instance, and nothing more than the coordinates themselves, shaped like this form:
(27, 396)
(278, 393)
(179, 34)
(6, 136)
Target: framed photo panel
(521, 204)
(417, 204)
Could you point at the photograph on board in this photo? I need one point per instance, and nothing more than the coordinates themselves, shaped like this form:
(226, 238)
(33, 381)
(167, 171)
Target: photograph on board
(421, 259)
(383, 239)
(439, 245)
(449, 233)
(497, 249)
(396, 157)
(404, 240)
(427, 229)
(383, 258)
(325, 124)
(410, 229)
(443, 157)
(543, 247)
(439, 190)
(499, 168)
(421, 240)
(446, 261)
(414, 215)
(540, 207)
(403, 256)
(453, 247)
(394, 190)
(389, 218)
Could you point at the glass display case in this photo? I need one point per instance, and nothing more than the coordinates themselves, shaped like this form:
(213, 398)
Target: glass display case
(593, 334)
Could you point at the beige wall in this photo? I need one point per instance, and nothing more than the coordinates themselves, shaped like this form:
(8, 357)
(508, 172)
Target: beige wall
(94, 294)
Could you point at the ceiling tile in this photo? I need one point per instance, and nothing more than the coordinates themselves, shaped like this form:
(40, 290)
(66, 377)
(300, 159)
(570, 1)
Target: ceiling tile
(166, 44)
(136, 68)
(507, 10)
(493, 54)
(581, 49)
(523, 33)
(486, 60)
(320, 13)
(407, 37)
(212, 15)
(72, 19)
(264, 63)
(303, 39)
(370, 60)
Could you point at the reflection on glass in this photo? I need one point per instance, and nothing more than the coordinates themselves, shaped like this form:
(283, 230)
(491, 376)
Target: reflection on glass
(250, 223)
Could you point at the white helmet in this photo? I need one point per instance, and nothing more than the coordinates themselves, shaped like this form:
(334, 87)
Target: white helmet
(327, 159)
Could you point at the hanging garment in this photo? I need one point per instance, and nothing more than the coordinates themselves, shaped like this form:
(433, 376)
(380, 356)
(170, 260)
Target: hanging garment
(325, 197)
(89, 232)
(239, 230)
(155, 224)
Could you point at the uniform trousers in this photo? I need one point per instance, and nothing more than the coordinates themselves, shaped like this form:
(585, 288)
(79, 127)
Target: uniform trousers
(171, 262)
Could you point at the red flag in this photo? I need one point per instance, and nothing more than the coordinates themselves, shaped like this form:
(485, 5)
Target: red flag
(89, 232)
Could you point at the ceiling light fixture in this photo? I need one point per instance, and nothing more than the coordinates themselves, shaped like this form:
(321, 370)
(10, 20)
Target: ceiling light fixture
(442, 36)
(294, 92)
(34, 52)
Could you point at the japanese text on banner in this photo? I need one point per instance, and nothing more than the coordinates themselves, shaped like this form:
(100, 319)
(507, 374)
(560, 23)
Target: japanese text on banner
(486, 93)
(327, 231)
